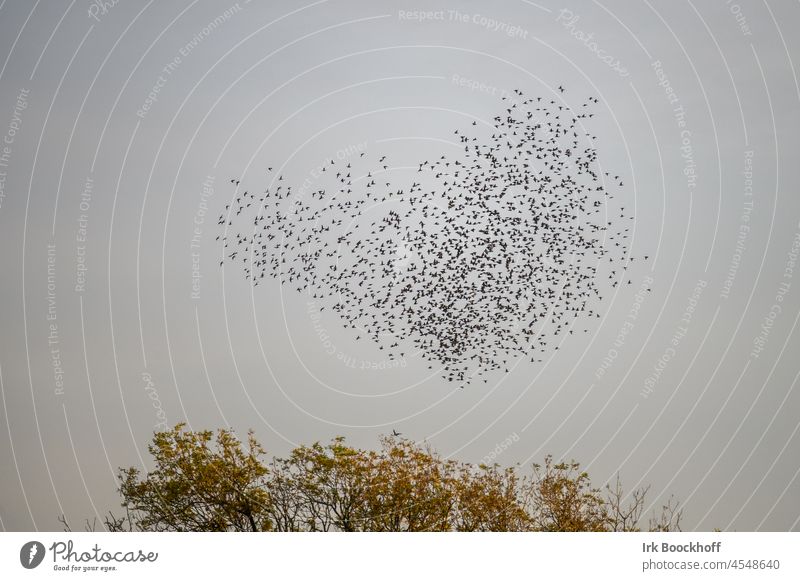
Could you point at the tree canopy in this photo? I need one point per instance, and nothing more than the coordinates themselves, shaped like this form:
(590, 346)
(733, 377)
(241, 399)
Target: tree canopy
(214, 481)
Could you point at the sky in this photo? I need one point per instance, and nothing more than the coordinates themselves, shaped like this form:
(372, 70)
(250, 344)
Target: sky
(124, 122)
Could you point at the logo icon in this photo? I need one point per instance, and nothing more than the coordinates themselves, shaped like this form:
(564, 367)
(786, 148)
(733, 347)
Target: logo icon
(31, 554)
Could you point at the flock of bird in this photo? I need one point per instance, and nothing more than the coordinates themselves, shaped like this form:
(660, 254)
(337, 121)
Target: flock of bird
(476, 259)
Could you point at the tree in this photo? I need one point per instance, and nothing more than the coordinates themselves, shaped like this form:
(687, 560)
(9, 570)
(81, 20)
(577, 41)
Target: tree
(490, 499)
(200, 483)
(411, 489)
(563, 499)
(321, 488)
(203, 481)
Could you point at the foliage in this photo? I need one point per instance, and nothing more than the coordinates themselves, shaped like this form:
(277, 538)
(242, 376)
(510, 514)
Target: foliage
(203, 481)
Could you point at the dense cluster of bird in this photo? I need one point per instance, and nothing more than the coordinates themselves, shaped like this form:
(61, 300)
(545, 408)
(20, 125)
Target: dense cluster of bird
(483, 256)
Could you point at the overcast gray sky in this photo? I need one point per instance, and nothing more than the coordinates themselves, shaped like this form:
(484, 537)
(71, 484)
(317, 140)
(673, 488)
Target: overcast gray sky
(123, 124)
